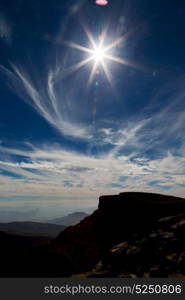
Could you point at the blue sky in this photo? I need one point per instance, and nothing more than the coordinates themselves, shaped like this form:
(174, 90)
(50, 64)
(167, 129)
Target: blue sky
(67, 137)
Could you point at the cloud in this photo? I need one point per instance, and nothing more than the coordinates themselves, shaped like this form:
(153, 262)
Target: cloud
(49, 101)
(5, 29)
(148, 147)
(56, 172)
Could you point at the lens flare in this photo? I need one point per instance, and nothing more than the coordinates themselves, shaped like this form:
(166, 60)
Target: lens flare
(101, 2)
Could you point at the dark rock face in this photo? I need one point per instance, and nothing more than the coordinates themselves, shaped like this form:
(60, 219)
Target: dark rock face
(118, 217)
(160, 253)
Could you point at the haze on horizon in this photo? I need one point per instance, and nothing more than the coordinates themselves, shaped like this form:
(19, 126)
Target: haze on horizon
(76, 123)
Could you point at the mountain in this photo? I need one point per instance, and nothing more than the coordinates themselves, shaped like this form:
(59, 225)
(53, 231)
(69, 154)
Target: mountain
(119, 218)
(32, 228)
(129, 235)
(71, 219)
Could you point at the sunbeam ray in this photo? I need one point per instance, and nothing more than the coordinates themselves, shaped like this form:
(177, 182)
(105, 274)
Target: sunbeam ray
(107, 73)
(114, 44)
(79, 47)
(76, 67)
(90, 37)
(124, 62)
(92, 73)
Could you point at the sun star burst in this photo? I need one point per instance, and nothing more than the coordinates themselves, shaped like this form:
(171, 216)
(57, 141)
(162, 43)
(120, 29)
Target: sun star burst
(100, 54)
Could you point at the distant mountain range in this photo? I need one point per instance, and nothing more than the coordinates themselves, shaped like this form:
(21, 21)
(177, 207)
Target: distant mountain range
(129, 235)
(69, 220)
(50, 229)
(32, 229)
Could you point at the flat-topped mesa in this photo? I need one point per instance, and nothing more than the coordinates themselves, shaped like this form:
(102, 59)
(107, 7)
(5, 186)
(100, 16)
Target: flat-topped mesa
(142, 202)
(118, 218)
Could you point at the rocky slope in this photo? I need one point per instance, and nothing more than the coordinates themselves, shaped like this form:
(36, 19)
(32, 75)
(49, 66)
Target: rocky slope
(130, 217)
(159, 253)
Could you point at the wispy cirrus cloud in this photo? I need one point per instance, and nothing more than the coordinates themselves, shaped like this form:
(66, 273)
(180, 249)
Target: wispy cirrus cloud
(157, 130)
(5, 29)
(48, 99)
(59, 173)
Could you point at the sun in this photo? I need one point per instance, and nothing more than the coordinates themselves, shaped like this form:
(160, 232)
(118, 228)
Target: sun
(99, 54)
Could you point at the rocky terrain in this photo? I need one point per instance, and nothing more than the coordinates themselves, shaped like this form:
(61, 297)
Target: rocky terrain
(129, 235)
(159, 253)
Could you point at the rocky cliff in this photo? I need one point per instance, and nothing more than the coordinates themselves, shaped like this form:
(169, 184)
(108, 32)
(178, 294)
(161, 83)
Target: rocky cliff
(125, 217)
